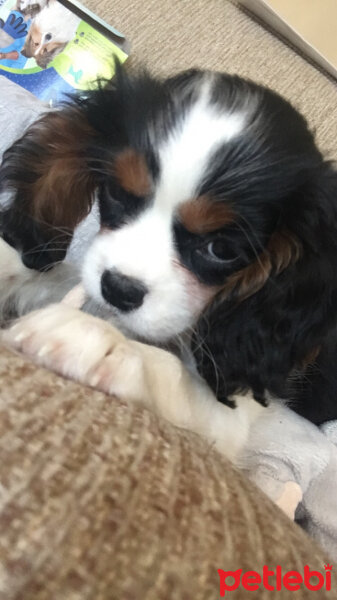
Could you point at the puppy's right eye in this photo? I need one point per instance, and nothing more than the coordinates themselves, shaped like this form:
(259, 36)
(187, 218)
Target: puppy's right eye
(220, 251)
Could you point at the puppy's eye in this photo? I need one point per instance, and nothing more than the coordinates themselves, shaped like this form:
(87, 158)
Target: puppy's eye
(112, 212)
(220, 251)
(118, 206)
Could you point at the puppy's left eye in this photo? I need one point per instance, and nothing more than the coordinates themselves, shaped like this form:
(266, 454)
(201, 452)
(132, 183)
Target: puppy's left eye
(219, 250)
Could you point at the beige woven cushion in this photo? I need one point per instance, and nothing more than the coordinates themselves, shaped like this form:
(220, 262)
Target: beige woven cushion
(103, 501)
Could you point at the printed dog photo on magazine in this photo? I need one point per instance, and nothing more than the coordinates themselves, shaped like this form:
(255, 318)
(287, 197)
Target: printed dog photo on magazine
(53, 48)
(37, 31)
(49, 33)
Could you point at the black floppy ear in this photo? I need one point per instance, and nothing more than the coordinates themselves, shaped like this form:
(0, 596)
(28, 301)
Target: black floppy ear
(51, 183)
(273, 316)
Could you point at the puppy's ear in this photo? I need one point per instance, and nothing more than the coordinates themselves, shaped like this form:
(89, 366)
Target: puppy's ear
(51, 185)
(273, 316)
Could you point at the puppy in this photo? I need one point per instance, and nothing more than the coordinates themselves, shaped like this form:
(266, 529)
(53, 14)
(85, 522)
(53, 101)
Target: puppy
(49, 33)
(218, 234)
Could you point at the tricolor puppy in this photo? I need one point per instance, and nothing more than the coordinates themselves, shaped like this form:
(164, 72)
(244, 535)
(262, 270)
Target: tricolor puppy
(218, 231)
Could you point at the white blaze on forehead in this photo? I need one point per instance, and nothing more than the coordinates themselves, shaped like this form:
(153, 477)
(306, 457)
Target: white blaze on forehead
(186, 152)
(142, 248)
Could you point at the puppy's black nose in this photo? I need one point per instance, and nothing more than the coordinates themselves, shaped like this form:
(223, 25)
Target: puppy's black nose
(125, 293)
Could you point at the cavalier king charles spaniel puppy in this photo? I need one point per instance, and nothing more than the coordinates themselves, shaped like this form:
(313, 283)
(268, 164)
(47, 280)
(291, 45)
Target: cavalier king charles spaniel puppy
(218, 234)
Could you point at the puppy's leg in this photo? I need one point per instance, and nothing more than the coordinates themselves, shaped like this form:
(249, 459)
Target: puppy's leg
(92, 351)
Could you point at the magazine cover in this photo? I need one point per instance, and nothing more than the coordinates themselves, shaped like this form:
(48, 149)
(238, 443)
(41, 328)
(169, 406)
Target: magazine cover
(53, 48)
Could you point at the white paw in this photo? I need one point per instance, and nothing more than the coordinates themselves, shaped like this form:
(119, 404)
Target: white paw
(80, 347)
(10, 262)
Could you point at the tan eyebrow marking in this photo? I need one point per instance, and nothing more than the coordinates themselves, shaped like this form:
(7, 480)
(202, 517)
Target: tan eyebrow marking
(132, 172)
(204, 215)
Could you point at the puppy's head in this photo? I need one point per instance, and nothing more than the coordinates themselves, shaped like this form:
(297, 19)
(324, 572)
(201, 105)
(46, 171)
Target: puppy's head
(217, 213)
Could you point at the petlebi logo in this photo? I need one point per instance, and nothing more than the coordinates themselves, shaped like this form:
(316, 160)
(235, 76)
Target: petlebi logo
(274, 580)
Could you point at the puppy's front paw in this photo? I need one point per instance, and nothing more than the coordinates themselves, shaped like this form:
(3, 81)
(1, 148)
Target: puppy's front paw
(80, 347)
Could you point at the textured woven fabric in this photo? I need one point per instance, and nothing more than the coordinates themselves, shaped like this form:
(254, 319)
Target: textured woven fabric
(103, 501)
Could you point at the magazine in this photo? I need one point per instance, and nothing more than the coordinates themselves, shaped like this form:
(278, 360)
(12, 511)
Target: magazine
(52, 47)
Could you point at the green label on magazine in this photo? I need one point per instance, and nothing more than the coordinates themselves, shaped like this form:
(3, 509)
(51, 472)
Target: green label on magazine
(88, 57)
